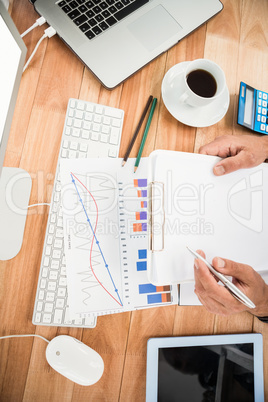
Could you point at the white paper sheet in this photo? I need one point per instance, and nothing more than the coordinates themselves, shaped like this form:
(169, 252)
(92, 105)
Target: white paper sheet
(105, 234)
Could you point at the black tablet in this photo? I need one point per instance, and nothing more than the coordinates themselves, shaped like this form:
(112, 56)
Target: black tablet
(225, 368)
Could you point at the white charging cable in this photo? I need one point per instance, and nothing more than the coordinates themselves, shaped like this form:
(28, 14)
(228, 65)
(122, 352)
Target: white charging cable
(24, 336)
(49, 32)
(36, 205)
(40, 21)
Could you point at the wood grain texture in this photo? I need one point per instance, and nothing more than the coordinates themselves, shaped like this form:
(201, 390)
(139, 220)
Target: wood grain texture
(237, 40)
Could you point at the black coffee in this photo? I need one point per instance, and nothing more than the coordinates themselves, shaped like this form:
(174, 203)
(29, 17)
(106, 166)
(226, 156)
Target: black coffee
(202, 83)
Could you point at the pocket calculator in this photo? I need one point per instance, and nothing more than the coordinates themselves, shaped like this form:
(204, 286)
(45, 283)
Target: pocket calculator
(252, 109)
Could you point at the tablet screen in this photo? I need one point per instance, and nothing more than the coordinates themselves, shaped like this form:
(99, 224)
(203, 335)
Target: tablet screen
(206, 373)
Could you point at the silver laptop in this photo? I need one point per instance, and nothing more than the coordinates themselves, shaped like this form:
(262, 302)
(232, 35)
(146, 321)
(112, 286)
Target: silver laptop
(115, 38)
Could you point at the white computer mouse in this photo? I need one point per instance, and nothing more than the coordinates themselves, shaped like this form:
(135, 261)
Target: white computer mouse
(74, 360)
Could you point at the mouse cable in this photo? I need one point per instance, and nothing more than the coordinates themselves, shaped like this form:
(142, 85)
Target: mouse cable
(24, 336)
(40, 21)
(36, 205)
(48, 33)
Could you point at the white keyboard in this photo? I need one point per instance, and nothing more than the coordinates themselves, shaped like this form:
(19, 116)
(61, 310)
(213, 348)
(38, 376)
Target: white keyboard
(90, 130)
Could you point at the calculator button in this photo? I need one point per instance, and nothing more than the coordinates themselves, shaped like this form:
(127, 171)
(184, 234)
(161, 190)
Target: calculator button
(262, 127)
(259, 102)
(264, 103)
(263, 119)
(259, 117)
(266, 129)
(265, 96)
(259, 110)
(260, 94)
(264, 111)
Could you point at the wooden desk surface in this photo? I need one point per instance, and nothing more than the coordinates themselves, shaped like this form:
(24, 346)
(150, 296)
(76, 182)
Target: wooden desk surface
(237, 39)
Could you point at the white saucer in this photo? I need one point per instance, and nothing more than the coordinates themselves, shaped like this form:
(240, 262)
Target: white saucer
(191, 116)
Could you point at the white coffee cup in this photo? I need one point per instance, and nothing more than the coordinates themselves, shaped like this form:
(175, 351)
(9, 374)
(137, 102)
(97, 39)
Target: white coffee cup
(195, 95)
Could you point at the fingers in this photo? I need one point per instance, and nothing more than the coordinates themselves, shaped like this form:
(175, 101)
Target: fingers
(241, 272)
(231, 164)
(238, 152)
(215, 297)
(215, 149)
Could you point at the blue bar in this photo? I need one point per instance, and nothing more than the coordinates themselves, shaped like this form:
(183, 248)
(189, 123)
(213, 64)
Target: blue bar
(147, 288)
(144, 227)
(142, 254)
(143, 215)
(141, 265)
(144, 193)
(142, 182)
(156, 298)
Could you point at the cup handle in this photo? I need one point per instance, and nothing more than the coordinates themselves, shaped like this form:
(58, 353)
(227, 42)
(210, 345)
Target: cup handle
(183, 98)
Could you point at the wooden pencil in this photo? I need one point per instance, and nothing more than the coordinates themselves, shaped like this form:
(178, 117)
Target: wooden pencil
(145, 134)
(135, 135)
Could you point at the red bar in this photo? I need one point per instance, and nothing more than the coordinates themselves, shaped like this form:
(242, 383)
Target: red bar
(166, 297)
(137, 227)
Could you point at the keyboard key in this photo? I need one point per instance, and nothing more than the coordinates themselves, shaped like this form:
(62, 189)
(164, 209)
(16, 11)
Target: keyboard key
(111, 21)
(119, 5)
(58, 316)
(106, 14)
(60, 303)
(112, 9)
(66, 9)
(112, 153)
(73, 14)
(47, 318)
(73, 4)
(61, 292)
(84, 27)
(92, 22)
(103, 5)
(113, 112)
(80, 20)
(129, 9)
(90, 14)
(89, 4)
(97, 10)
(99, 18)
(38, 318)
(115, 134)
(50, 297)
(82, 9)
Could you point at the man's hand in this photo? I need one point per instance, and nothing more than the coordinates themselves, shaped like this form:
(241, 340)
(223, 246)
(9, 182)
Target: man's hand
(217, 299)
(240, 152)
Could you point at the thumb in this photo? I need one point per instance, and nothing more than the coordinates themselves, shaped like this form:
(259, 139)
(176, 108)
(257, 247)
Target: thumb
(231, 164)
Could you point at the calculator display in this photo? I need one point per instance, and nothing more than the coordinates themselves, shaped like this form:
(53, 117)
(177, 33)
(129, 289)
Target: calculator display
(249, 106)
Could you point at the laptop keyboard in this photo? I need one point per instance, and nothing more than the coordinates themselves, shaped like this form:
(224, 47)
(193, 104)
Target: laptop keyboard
(95, 16)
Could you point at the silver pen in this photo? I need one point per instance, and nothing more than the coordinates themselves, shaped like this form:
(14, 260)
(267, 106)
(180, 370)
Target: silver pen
(240, 296)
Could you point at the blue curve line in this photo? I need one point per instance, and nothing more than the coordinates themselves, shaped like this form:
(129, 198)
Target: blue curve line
(97, 242)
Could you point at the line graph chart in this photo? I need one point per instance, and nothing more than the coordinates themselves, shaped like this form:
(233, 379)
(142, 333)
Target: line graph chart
(94, 238)
(90, 216)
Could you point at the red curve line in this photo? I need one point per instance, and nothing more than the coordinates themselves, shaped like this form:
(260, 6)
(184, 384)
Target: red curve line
(91, 247)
